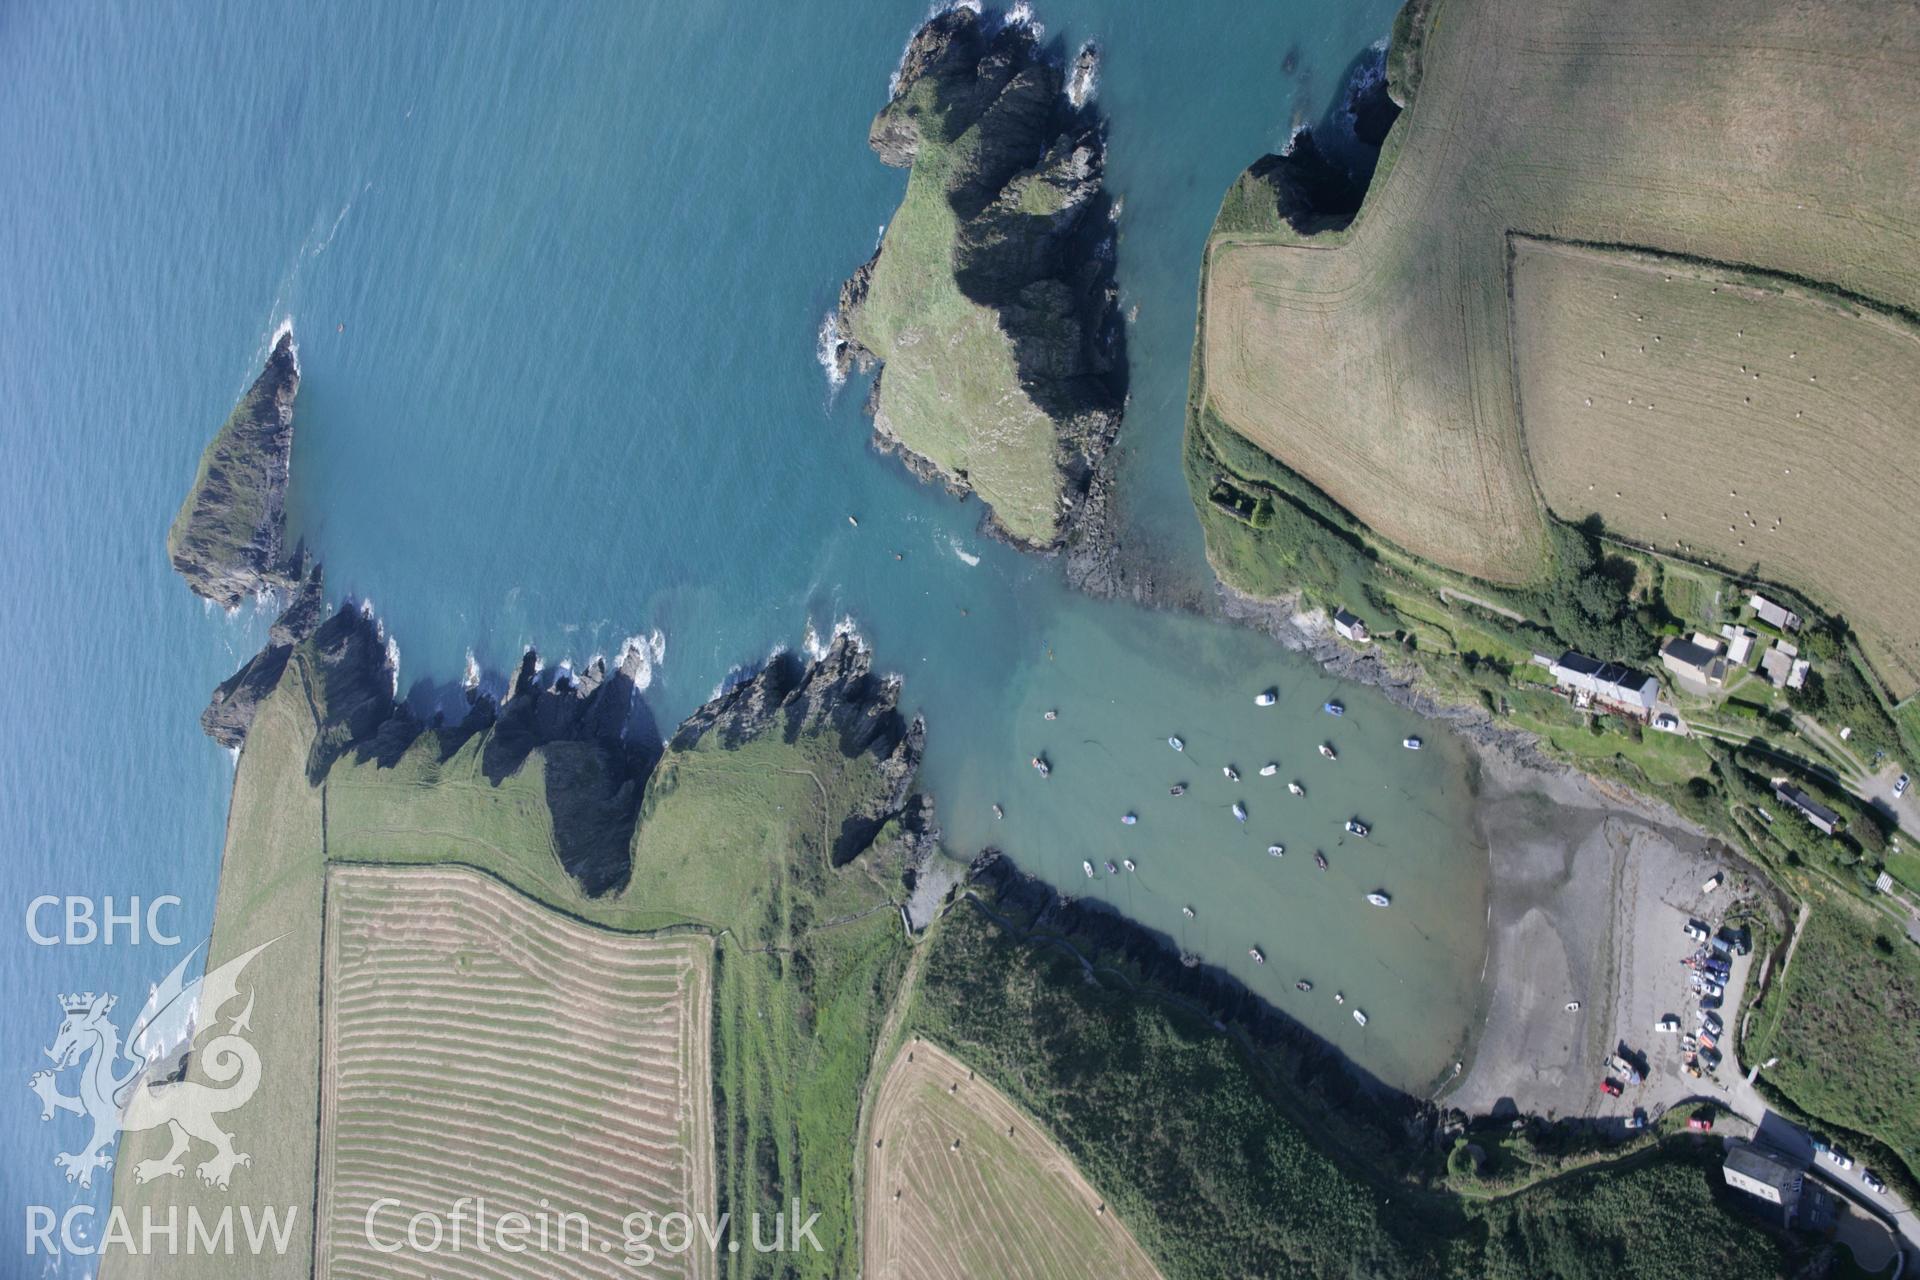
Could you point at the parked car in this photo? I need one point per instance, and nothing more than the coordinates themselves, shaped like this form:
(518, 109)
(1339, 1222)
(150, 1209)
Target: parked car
(1900, 786)
(1714, 881)
(1709, 1002)
(1712, 990)
(1873, 1184)
(1696, 931)
(1710, 1022)
(1840, 1159)
(1610, 1087)
(1710, 1057)
(1668, 1023)
(1820, 1147)
(1700, 1124)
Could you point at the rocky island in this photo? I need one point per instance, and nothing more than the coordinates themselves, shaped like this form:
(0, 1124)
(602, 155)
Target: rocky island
(229, 539)
(990, 304)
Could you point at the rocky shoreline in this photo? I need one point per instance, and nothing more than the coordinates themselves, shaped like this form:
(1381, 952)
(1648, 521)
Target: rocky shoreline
(228, 539)
(1032, 248)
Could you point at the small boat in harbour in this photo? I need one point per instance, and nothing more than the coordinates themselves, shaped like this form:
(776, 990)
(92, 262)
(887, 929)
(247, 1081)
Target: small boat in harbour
(1230, 773)
(1339, 997)
(1127, 863)
(1187, 912)
(1111, 869)
(1269, 769)
(1189, 960)
(1573, 1006)
(1296, 788)
(1411, 744)
(1358, 827)
(1326, 749)
(1379, 899)
(1177, 789)
(998, 812)
(1128, 819)
(1239, 811)
(1051, 714)
(1087, 867)
(1041, 766)
(1266, 699)
(1334, 708)
(1176, 744)
(1303, 985)
(1276, 850)
(1255, 952)
(1319, 859)
(1360, 1017)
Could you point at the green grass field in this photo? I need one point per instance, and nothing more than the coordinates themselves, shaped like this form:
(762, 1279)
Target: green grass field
(1377, 360)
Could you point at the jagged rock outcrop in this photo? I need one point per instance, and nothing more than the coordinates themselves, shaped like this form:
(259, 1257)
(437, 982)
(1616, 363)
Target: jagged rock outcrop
(230, 712)
(1006, 140)
(229, 538)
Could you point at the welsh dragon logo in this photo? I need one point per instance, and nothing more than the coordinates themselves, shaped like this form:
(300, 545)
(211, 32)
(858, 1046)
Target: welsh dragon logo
(133, 1100)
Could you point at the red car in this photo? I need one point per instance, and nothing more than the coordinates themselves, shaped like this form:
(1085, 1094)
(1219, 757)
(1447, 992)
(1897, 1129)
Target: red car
(1610, 1087)
(1700, 1124)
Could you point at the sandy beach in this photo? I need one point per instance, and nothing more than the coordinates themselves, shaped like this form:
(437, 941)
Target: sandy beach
(1590, 891)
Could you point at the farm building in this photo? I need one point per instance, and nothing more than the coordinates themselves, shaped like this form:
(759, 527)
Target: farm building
(1772, 614)
(1697, 660)
(1739, 643)
(1824, 820)
(1611, 686)
(1764, 1177)
(1349, 627)
(1784, 666)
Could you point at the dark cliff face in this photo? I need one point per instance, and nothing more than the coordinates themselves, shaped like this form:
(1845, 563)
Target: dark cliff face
(229, 539)
(230, 712)
(1024, 179)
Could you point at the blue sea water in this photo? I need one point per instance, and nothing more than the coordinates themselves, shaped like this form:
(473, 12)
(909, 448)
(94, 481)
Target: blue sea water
(556, 276)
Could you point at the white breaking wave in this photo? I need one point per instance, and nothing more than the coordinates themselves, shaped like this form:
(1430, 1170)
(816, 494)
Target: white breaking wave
(815, 648)
(966, 556)
(1021, 15)
(827, 349)
(644, 653)
(470, 678)
(282, 330)
(393, 663)
(1083, 84)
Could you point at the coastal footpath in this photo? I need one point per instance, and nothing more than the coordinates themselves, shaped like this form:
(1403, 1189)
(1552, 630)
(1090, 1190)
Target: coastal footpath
(989, 309)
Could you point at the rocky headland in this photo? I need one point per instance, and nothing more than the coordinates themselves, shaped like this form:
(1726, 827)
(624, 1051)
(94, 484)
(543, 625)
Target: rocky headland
(990, 305)
(229, 539)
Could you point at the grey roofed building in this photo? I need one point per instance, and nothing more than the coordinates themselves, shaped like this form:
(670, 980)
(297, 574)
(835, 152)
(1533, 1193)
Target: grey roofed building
(1823, 819)
(1350, 626)
(1777, 664)
(1612, 685)
(1764, 1177)
(1694, 661)
(1772, 614)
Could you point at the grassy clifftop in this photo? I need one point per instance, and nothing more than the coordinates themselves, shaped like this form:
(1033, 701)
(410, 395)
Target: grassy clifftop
(990, 303)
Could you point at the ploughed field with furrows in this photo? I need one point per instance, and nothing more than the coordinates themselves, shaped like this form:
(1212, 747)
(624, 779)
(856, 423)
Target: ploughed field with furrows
(963, 1184)
(1712, 415)
(479, 1045)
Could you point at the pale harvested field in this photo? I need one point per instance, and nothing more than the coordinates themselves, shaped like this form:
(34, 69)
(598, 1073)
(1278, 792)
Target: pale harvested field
(1766, 429)
(1008, 1203)
(479, 1045)
(1377, 363)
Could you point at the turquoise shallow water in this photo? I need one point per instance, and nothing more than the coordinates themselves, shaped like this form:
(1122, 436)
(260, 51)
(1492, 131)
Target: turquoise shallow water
(556, 282)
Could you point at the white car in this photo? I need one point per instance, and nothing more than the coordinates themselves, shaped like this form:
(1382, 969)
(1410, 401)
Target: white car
(1900, 786)
(1696, 931)
(1840, 1159)
(1874, 1184)
(1668, 1023)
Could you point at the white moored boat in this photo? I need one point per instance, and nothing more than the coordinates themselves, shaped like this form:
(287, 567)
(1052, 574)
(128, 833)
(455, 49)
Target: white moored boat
(1360, 1017)
(1088, 868)
(1268, 770)
(1276, 850)
(1358, 827)
(1176, 744)
(1296, 788)
(1378, 899)
(1266, 699)
(1411, 744)
(1128, 819)
(1230, 773)
(1326, 749)
(1239, 811)
(1127, 863)
(1258, 958)
(1187, 912)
